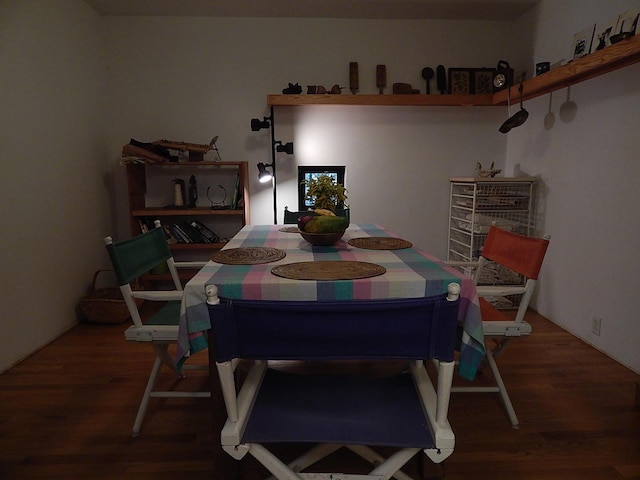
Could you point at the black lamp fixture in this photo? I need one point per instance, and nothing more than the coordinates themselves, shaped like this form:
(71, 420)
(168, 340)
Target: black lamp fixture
(257, 124)
(286, 148)
(264, 175)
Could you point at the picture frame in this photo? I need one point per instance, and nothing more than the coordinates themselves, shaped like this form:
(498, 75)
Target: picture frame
(483, 81)
(582, 42)
(460, 81)
(307, 172)
(603, 32)
(471, 81)
(628, 22)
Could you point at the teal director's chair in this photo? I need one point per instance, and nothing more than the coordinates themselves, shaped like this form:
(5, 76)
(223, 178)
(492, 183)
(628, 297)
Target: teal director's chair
(132, 258)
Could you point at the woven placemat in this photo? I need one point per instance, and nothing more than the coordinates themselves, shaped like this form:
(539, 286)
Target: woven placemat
(380, 243)
(328, 270)
(248, 255)
(290, 230)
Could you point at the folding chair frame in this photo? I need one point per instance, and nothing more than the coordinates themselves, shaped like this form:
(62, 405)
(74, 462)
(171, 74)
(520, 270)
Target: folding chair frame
(159, 336)
(239, 405)
(523, 255)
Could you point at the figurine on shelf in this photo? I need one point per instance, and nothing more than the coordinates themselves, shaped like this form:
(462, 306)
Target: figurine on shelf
(292, 89)
(492, 172)
(193, 192)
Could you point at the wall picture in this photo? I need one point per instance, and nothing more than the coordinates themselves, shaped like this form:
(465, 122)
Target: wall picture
(582, 43)
(306, 173)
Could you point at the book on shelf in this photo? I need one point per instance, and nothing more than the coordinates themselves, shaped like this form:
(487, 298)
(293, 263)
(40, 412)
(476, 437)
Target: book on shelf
(171, 238)
(193, 231)
(205, 231)
(236, 194)
(179, 233)
(146, 224)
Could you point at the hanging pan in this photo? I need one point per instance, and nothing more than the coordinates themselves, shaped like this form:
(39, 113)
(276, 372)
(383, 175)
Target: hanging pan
(518, 118)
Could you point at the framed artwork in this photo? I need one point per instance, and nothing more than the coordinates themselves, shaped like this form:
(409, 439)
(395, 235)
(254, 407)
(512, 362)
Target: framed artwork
(582, 41)
(628, 22)
(460, 80)
(602, 35)
(306, 173)
(483, 80)
(471, 80)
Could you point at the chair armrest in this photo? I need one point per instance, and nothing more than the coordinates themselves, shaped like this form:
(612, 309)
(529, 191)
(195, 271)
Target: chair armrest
(158, 296)
(190, 264)
(498, 290)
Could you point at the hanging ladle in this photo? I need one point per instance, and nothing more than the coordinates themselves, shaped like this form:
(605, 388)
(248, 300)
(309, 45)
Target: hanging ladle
(519, 117)
(568, 109)
(549, 118)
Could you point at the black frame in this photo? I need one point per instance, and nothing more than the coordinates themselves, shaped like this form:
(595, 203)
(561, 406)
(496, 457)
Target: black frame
(305, 171)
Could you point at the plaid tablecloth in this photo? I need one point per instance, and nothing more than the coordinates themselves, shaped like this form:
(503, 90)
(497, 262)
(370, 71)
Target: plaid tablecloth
(410, 273)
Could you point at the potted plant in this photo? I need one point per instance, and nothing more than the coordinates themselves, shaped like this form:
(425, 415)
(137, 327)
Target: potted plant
(325, 193)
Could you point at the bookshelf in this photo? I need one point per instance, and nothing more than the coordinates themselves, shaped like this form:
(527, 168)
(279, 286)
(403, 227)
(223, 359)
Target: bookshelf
(150, 194)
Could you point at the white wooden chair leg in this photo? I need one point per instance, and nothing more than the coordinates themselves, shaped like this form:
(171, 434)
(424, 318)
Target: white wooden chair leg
(502, 390)
(162, 352)
(311, 456)
(375, 459)
(142, 409)
(394, 463)
(272, 463)
(445, 378)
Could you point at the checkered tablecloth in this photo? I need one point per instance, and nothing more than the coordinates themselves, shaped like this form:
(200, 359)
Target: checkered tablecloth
(410, 273)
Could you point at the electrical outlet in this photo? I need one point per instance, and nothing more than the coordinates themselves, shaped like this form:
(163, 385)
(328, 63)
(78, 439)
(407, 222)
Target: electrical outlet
(595, 325)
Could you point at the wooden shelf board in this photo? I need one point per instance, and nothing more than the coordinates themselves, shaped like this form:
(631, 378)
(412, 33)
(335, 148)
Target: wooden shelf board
(183, 212)
(417, 100)
(619, 55)
(194, 164)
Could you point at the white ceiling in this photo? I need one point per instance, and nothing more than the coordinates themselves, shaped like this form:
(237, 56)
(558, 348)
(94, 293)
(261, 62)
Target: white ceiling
(372, 9)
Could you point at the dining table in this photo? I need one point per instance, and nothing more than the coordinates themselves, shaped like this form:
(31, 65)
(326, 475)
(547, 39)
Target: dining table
(272, 262)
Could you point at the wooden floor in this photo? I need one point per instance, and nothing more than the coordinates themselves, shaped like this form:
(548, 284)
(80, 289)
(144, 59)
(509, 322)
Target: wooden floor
(66, 413)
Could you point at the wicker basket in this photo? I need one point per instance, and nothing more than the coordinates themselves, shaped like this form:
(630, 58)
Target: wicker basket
(104, 305)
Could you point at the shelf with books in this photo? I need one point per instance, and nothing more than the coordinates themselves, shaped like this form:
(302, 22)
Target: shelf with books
(219, 214)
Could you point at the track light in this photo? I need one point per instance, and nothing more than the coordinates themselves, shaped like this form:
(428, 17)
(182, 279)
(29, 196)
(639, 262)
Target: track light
(263, 174)
(286, 148)
(257, 124)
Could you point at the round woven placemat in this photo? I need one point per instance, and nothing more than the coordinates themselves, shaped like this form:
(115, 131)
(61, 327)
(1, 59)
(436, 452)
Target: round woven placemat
(328, 270)
(380, 243)
(290, 230)
(248, 255)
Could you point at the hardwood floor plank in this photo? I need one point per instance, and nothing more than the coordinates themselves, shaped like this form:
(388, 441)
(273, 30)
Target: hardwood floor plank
(67, 412)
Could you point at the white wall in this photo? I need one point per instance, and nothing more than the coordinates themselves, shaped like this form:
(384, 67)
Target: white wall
(589, 170)
(82, 85)
(192, 78)
(55, 182)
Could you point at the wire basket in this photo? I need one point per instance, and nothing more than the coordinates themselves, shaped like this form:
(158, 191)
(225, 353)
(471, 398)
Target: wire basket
(104, 305)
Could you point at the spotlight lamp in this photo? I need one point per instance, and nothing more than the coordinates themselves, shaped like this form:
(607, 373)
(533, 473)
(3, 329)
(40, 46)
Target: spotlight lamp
(263, 174)
(286, 148)
(257, 124)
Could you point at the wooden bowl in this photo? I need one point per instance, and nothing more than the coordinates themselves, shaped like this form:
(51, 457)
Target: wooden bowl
(322, 238)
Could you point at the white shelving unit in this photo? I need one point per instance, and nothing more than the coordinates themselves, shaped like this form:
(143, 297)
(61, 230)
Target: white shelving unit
(476, 204)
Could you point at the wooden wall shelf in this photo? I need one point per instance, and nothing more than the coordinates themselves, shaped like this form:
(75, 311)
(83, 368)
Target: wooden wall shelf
(614, 57)
(619, 55)
(381, 100)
